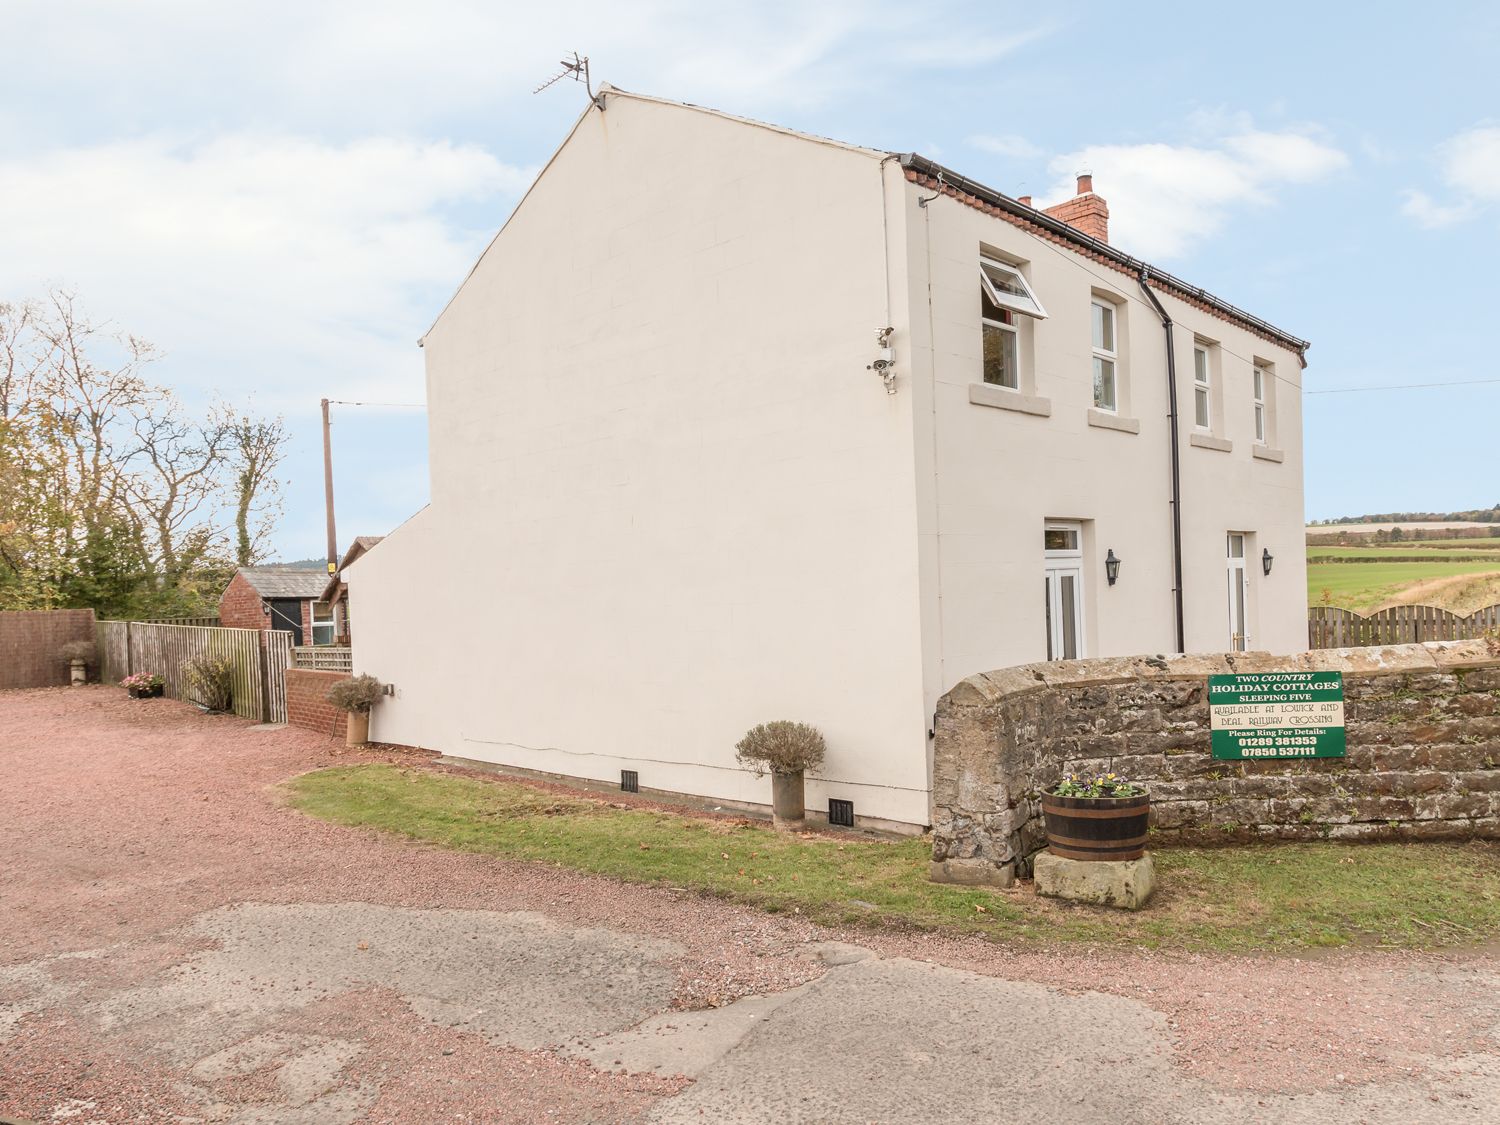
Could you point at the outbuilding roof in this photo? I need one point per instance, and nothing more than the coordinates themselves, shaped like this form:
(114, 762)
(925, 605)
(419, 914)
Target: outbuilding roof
(285, 581)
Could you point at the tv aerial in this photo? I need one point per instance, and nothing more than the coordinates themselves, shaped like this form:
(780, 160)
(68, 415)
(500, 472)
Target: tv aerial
(576, 68)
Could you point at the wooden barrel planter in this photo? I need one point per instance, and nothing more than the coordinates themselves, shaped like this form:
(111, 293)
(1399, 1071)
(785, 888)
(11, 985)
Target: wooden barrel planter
(1096, 828)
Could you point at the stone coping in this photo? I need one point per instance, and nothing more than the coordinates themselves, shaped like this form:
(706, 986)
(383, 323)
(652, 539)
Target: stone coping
(1431, 656)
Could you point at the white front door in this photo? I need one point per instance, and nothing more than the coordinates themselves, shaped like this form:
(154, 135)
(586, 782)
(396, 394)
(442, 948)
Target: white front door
(1063, 550)
(1239, 594)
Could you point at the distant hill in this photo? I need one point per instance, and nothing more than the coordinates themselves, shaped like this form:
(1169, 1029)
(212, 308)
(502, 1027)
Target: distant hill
(1476, 515)
(305, 564)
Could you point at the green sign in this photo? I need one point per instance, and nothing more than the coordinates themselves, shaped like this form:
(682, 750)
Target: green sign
(1277, 715)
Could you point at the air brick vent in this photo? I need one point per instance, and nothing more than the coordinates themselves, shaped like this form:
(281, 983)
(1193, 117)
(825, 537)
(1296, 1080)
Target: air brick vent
(841, 813)
(630, 781)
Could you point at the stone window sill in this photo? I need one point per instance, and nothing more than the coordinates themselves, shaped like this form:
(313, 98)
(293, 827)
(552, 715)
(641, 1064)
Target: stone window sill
(1208, 441)
(1003, 398)
(1266, 453)
(1107, 421)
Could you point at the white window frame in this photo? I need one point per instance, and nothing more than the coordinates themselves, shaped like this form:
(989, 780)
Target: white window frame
(1203, 387)
(1102, 354)
(1260, 372)
(1015, 338)
(330, 623)
(1060, 563)
(1238, 589)
(1024, 303)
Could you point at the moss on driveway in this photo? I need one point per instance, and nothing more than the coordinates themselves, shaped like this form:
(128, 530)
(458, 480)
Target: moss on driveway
(1268, 898)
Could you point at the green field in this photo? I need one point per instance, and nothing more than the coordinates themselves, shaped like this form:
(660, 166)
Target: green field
(1365, 586)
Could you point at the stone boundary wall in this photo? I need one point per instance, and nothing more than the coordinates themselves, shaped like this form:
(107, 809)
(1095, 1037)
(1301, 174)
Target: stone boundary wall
(29, 644)
(1423, 756)
(307, 705)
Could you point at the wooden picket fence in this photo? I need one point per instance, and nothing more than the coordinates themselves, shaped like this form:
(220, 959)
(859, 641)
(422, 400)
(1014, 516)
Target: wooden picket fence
(1331, 627)
(260, 658)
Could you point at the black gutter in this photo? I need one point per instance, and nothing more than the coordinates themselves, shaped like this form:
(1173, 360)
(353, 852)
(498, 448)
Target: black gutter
(1166, 324)
(1135, 266)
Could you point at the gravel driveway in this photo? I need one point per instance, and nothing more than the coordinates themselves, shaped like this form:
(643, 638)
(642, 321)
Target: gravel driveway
(177, 945)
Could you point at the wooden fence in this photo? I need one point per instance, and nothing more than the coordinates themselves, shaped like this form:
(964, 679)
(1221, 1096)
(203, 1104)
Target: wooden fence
(260, 658)
(323, 658)
(1331, 627)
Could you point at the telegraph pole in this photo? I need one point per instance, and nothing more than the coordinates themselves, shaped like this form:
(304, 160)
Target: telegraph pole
(333, 541)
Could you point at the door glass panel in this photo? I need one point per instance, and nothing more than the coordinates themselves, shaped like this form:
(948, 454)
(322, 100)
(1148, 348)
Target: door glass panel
(1238, 581)
(1068, 595)
(1047, 600)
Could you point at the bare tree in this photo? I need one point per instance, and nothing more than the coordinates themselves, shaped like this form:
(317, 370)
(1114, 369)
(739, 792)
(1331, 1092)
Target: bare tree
(178, 469)
(112, 494)
(257, 447)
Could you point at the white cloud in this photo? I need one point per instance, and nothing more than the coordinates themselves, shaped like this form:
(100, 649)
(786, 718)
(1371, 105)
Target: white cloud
(1163, 198)
(1428, 212)
(1010, 145)
(1470, 169)
(279, 261)
(385, 65)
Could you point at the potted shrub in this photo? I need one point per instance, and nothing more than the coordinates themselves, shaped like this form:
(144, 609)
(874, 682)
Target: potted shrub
(356, 696)
(1098, 818)
(210, 681)
(144, 685)
(787, 750)
(78, 655)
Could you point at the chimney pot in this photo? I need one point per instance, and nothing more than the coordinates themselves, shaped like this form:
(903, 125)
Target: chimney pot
(1026, 199)
(1085, 183)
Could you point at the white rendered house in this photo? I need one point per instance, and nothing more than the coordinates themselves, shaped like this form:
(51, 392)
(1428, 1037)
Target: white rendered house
(731, 423)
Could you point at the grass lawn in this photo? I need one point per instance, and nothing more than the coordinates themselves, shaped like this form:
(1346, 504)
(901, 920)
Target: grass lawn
(1364, 586)
(1231, 899)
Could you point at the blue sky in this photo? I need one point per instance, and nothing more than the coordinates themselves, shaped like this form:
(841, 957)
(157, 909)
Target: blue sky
(283, 195)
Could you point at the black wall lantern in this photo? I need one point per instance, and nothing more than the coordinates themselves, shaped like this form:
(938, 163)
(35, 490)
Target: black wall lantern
(1112, 566)
(1266, 559)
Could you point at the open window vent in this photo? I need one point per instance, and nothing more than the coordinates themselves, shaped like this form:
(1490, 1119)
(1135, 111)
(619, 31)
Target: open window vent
(630, 781)
(840, 813)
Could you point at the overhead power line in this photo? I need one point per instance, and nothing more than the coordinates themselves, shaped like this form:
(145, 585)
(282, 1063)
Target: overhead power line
(397, 405)
(1401, 387)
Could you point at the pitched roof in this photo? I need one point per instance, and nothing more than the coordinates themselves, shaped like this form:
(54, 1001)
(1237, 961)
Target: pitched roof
(930, 174)
(333, 587)
(284, 581)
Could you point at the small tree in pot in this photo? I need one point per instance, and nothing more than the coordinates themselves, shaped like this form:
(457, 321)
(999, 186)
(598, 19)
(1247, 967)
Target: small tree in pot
(78, 655)
(787, 749)
(356, 696)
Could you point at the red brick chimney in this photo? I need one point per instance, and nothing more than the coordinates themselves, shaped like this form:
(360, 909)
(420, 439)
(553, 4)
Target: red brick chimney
(1085, 211)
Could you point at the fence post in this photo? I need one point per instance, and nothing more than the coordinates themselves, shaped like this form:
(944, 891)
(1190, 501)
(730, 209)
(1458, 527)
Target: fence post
(262, 669)
(129, 669)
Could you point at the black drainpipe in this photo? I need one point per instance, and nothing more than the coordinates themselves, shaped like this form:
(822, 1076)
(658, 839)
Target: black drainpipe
(1166, 323)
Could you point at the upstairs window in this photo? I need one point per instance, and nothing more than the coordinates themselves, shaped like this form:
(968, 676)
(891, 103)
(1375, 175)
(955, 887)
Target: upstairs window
(1105, 356)
(1001, 346)
(1260, 378)
(1003, 294)
(1202, 386)
(1003, 286)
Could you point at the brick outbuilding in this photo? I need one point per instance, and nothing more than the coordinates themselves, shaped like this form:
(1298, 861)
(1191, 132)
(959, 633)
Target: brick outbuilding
(278, 597)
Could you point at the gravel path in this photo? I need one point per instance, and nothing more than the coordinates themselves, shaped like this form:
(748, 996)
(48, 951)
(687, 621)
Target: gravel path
(176, 944)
